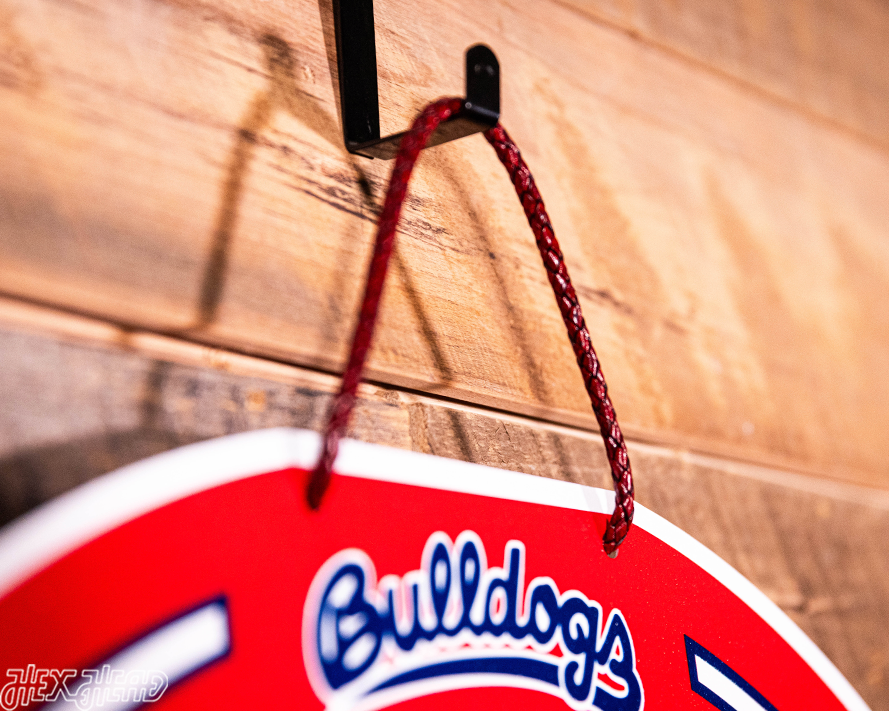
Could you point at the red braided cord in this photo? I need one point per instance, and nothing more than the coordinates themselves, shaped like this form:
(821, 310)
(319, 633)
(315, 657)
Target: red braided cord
(412, 143)
(566, 297)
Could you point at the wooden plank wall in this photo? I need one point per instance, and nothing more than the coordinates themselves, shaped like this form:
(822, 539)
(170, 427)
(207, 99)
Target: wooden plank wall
(183, 237)
(83, 397)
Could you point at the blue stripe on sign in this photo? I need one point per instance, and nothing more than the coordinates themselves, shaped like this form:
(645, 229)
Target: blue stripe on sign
(515, 666)
(719, 684)
(141, 672)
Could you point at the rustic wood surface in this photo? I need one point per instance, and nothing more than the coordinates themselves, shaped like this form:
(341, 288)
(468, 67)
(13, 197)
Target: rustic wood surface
(81, 398)
(178, 166)
(827, 57)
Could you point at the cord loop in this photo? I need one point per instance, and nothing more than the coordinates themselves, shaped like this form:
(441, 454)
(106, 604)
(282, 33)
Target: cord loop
(553, 261)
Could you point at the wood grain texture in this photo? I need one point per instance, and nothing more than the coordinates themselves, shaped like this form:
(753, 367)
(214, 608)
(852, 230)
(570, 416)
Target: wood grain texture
(828, 57)
(81, 400)
(177, 165)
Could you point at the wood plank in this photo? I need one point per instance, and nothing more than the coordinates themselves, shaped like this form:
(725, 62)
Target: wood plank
(828, 57)
(178, 166)
(82, 398)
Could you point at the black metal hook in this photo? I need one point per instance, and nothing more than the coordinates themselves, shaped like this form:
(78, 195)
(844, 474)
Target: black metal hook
(359, 95)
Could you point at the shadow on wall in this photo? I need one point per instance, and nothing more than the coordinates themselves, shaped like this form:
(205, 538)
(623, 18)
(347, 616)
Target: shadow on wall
(170, 405)
(125, 408)
(281, 95)
(33, 476)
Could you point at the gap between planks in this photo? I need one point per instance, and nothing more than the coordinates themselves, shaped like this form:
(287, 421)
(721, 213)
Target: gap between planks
(22, 315)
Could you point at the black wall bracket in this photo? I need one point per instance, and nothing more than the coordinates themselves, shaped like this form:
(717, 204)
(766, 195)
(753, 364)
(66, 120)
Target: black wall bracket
(359, 95)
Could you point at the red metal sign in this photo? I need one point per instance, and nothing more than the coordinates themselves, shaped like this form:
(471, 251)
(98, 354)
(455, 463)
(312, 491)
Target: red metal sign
(200, 579)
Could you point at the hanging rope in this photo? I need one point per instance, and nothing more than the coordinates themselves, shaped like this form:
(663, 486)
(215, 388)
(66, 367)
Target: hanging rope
(411, 145)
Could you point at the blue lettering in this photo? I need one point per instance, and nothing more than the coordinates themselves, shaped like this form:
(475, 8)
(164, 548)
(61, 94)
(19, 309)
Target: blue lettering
(510, 587)
(347, 620)
(470, 577)
(440, 582)
(543, 611)
(580, 625)
(621, 665)
(354, 623)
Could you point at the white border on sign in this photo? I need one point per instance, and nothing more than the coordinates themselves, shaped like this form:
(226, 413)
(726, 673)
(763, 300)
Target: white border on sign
(42, 536)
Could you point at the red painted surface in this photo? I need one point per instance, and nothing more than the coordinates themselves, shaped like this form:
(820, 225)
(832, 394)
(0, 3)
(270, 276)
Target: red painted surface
(256, 542)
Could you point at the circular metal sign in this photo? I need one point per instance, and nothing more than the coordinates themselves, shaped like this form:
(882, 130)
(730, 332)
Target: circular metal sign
(200, 579)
